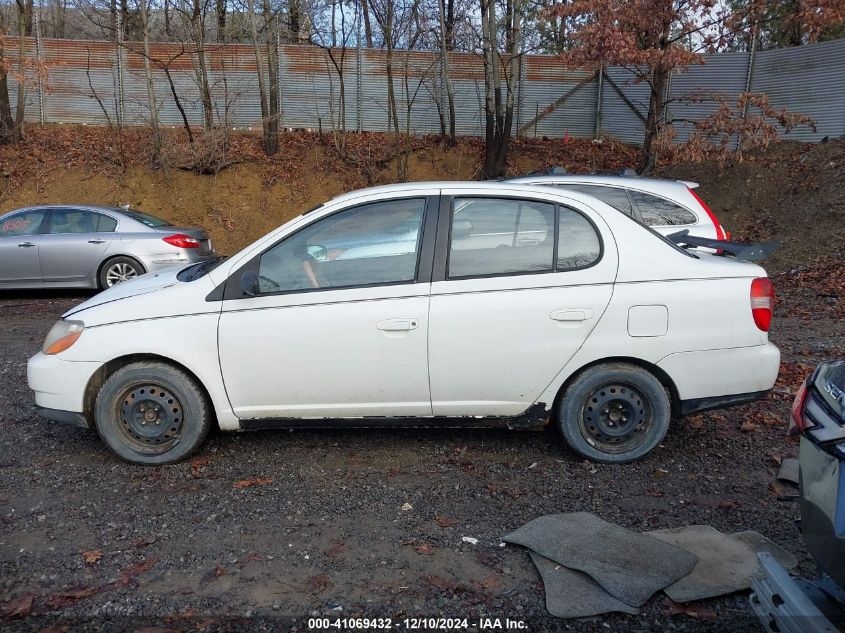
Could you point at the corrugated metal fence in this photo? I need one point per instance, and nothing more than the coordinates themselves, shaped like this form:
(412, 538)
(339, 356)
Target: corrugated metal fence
(96, 82)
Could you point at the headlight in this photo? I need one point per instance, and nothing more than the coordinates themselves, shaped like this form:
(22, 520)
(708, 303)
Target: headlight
(62, 335)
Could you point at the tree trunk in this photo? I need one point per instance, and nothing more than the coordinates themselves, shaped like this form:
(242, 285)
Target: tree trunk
(387, 30)
(221, 20)
(198, 33)
(270, 145)
(7, 125)
(447, 79)
(294, 21)
(368, 29)
(654, 120)
(151, 92)
(487, 47)
(24, 14)
(273, 72)
(27, 25)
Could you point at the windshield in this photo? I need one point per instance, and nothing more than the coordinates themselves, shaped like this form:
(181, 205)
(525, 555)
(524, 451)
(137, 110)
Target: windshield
(145, 218)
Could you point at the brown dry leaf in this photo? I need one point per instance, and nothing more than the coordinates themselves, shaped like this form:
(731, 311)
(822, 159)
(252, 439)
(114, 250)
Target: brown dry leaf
(143, 541)
(699, 613)
(440, 583)
(197, 464)
(492, 582)
(748, 426)
(445, 522)
(318, 584)
(248, 483)
(131, 572)
(62, 599)
(729, 504)
(424, 548)
(219, 571)
(92, 556)
(334, 549)
(20, 607)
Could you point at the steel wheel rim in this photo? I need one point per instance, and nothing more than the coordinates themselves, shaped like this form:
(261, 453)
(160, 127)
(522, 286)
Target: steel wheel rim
(118, 272)
(615, 418)
(150, 418)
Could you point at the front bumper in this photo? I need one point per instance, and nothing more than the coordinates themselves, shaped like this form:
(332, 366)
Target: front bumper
(65, 417)
(60, 385)
(784, 605)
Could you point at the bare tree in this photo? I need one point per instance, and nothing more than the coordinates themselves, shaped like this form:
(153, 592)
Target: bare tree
(270, 132)
(446, 78)
(151, 92)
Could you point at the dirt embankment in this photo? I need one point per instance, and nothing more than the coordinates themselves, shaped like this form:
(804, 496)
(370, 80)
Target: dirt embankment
(792, 192)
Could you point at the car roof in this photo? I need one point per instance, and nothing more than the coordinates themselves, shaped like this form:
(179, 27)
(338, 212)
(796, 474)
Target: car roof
(626, 182)
(69, 205)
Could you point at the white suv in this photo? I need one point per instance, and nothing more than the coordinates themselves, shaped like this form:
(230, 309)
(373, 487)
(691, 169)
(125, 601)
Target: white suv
(422, 304)
(667, 206)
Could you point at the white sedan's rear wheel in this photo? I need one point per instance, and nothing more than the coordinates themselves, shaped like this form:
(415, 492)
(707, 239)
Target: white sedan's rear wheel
(614, 413)
(151, 413)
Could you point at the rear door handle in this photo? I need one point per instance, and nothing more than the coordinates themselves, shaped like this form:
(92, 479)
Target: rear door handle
(96, 241)
(572, 314)
(25, 244)
(398, 325)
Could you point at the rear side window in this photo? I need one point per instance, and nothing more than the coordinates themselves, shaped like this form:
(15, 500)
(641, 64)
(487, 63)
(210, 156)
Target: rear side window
(657, 211)
(616, 198)
(495, 236)
(105, 223)
(145, 218)
(578, 243)
(25, 223)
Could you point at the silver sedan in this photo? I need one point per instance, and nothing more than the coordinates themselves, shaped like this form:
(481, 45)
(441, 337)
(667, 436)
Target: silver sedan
(76, 246)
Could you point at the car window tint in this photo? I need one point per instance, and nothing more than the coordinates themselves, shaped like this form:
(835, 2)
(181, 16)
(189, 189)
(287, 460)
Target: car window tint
(495, 236)
(614, 196)
(105, 223)
(658, 211)
(578, 243)
(25, 223)
(371, 244)
(145, 218)
(73, 221)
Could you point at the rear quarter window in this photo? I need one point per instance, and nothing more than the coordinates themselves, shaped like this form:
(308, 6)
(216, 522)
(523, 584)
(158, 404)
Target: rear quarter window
(657, 211)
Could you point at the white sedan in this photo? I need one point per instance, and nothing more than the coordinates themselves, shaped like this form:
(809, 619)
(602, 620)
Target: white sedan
(421, 304)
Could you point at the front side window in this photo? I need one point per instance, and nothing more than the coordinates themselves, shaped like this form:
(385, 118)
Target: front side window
(73, 221)
(24, 223)
(496, 236)
(658, 211)
(615, 197)
(371, 244)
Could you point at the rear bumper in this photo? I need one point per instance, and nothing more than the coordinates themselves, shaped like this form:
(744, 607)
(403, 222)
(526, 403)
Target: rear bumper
(781, 604)
(741, 373)
(183, 257)
(720, 402)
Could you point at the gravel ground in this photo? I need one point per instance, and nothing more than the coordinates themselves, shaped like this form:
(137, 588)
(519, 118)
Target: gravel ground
(363, 523)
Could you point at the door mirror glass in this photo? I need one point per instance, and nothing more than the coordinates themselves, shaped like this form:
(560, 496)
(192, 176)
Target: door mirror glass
(318, 253)
(249, 283)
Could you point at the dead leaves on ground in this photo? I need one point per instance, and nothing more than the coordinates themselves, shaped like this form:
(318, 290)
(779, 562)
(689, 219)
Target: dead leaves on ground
(18, 608)
(92, 556)
(445, 522)
(318, 584)
(691, 610)
(249, 483)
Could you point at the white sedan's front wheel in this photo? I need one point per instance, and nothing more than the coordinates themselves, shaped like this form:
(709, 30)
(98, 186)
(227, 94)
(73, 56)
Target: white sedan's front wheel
(151, 413)
(614, 413)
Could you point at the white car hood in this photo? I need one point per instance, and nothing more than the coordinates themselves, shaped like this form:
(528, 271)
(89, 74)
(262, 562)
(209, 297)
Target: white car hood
(144, 284)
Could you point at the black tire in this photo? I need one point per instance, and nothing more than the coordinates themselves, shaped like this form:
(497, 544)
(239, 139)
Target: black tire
(614, 413)
(151, 413)
(118, 269)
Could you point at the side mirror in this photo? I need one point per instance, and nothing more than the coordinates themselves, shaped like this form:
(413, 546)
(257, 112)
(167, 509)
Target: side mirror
(318, 253)
(249, 283)
(461, 229)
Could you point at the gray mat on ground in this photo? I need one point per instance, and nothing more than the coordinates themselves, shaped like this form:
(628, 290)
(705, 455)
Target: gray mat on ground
(628, 565)
(572, 594)
(760, 543)
(725, 562)
(789, 471)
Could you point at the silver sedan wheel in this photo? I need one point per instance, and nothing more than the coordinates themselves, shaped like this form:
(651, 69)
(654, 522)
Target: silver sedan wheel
(120, 271)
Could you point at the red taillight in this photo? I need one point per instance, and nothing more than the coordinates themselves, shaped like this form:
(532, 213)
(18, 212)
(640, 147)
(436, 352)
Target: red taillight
(762, 302)
(180, 240)
(720, 232)
(798, 410)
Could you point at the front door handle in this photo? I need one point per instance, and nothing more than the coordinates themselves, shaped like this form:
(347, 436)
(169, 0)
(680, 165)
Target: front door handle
(398, 325)
(96, 241)
(572, 314)
(26, 244)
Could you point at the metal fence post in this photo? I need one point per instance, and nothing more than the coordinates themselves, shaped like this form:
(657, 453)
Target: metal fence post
(358, 115)
(120, 109)
(37, 18)
(280, 56)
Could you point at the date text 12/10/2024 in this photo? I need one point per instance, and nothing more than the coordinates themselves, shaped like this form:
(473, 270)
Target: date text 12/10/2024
(417, 624)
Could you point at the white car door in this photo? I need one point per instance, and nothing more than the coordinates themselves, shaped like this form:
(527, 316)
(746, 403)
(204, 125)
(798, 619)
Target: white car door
(517, 289)
(337, 323)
